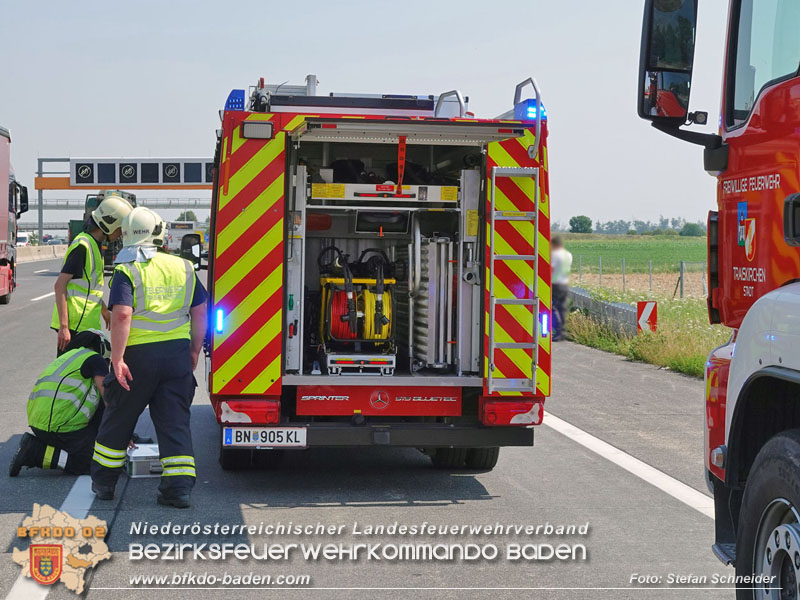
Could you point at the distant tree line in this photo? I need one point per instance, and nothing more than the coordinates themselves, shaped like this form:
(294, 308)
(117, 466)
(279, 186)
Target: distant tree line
(664, 226)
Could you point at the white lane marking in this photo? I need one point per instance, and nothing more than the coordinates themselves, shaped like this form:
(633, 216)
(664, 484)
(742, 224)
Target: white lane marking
(41, 271)
(677, 489)
(41, 297)
(76, 504)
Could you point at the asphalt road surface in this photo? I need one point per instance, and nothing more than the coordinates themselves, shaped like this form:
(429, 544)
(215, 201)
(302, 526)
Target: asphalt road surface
(622, 453)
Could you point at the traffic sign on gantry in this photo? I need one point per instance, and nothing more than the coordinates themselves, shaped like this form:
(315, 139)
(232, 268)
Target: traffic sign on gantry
(127, 172)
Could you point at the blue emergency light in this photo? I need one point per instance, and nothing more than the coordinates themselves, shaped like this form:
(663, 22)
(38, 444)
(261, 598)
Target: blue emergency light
(526, 110)
(545, 325)
(235, 100)
(218, 323)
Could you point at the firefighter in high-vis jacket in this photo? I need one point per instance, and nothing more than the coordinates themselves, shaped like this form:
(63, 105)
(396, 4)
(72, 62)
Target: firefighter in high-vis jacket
(158, 322)
(65, 408)
(79, 288)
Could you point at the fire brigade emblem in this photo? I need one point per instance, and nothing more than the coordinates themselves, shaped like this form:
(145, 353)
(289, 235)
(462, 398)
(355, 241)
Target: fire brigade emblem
(750, 238)
(46, 562)
(746, 231)
(741, 217)
(379, 400)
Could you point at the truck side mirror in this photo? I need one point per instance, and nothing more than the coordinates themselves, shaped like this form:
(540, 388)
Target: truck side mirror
(23, 200)
(191, 248)
(665, 61)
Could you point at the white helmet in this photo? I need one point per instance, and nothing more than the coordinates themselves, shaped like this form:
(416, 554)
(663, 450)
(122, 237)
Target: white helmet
(110, 212)
(105, 343)
(143, 227)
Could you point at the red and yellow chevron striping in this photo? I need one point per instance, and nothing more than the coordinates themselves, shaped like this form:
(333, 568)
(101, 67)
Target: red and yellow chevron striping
(248, 259)
(515, 279)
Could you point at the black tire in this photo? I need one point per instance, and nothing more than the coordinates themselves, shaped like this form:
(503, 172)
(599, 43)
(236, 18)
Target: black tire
(482, 459)
(268, 459)
(771, 497)
(234, 459)
(5, 299)
(449, 458)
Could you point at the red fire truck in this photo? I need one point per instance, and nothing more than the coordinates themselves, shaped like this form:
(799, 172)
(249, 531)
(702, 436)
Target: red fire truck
(13, 202)
(379, 274)
(753, 382)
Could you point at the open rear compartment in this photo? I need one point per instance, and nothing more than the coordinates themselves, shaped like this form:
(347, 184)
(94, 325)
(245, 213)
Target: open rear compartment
(383, 283)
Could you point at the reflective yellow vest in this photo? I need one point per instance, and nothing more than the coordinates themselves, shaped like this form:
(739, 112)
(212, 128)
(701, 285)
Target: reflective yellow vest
(84, 296)
(62, 399)
(162, 296)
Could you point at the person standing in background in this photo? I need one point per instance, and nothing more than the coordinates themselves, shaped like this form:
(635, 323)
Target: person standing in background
(561, 263)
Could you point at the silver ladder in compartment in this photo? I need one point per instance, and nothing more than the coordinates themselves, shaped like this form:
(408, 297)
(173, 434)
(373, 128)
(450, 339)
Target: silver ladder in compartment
(494, 384)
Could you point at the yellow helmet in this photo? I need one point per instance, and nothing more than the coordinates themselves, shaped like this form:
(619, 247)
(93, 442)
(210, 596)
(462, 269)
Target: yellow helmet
(110, 212)
(143, 227)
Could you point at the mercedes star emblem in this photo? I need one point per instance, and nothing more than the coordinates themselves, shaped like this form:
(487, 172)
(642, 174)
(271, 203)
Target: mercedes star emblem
(379, 400)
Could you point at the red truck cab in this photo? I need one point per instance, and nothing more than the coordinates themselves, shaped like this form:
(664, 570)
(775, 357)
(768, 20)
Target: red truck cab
(752, 428)
(13, 202)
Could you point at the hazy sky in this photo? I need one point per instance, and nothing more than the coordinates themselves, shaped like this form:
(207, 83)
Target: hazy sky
(147, 78)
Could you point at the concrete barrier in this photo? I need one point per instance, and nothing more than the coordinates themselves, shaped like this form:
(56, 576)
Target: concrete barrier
(33, 253)
(620, 317)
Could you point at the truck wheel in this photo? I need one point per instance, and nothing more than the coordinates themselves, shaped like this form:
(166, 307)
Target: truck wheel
(449, 458)
(5, 299)
(483, 459)
(234, 459)
(268, 459)
(768, 539)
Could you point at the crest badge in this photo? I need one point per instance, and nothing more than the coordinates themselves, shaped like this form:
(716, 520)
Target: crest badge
(46, 562)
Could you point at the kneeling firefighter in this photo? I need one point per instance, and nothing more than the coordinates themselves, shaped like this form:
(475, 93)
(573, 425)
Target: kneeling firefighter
(65, 408)
(158, 322)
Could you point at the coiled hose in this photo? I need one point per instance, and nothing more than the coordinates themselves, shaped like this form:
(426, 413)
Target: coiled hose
(371, 332)
(341, 329)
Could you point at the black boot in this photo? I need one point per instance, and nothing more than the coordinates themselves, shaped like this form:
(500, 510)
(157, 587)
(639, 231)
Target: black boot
(27, 454)
(103, 492)
(178, 501)
(137, 439)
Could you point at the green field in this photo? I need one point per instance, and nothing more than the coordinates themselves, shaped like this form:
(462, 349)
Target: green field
(666, 252)
(682, 342)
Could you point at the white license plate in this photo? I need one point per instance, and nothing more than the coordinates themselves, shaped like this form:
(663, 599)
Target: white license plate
(273, 437)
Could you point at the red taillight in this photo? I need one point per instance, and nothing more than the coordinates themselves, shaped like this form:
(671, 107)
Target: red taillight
(259, 412)
(525, 411)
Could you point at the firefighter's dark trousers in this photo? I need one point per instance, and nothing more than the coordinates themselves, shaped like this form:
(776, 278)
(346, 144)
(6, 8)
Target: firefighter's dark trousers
(77, 446)
(163, 379)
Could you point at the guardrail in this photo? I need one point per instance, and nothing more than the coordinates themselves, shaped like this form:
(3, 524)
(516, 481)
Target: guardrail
(34, 253)
(620, 317)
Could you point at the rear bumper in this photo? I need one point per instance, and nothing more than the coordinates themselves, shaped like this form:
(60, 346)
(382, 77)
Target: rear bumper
(412, 435)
